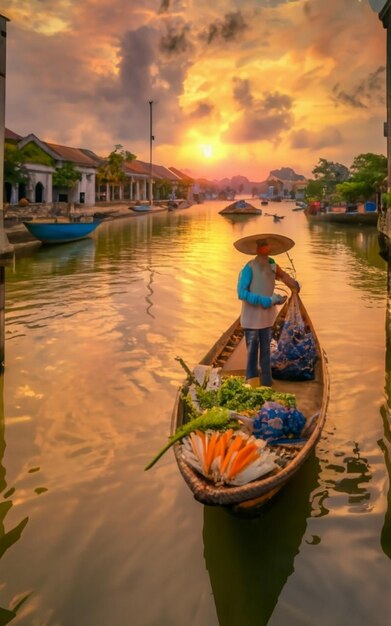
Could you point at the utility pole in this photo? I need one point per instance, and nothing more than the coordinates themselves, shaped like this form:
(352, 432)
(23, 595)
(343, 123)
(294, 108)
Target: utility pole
(6, 249)
(151, 138)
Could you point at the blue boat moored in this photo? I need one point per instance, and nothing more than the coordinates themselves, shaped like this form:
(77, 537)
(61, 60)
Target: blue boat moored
(61, 232)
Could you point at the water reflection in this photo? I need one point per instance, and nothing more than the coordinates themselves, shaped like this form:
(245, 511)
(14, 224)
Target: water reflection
(239, 222)
(64, 259)
(250, 560)
(355, 474)
(361, 249)
(10, 537)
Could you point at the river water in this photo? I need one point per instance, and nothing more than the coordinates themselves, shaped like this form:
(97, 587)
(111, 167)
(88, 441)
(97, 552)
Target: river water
(87, 537)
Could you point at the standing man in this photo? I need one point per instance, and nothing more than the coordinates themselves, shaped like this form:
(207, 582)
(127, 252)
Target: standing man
(256, 291)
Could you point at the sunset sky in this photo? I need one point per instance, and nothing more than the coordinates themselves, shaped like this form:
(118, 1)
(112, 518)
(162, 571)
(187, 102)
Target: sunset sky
(239, 86)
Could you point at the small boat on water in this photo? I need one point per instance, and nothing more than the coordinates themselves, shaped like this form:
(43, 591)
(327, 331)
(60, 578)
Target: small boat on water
(228, 357)
(241, 207)
(141, 208)
(56, 231)
(174, 205)
(276, 218)
(300, 206)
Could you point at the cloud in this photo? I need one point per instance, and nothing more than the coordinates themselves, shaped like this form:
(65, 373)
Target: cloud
(231, 28)
(176, 40)
(82, 72)
(305, 139)
(242, 91)
(361, 96)
(164, 6)
(203, 109)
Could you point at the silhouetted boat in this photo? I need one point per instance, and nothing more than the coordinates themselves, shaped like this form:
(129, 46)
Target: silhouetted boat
(276, 218)
(51, 232)
(241, 207)
(229, 354)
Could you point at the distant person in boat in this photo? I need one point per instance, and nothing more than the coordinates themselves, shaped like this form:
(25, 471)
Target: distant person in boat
(256, 291)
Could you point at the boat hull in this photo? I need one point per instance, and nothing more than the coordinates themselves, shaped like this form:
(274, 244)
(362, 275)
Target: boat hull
(369, 219)
(61, 232)
(229, 353)
(241, 208)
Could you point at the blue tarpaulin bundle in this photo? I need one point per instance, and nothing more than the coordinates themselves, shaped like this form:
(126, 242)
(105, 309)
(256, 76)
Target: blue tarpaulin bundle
(295, 355)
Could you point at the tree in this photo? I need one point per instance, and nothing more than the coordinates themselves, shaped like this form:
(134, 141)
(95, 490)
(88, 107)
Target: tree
(14, 165)
(162, 188)
(314, 190)
(330, 174)
(66, 176)
(112, 171)
(367, 174)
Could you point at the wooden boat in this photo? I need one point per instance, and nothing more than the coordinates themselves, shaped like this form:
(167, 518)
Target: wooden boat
(141, 208)
(229, 354)
(361, 218)
(275, 216)
(241, 207)
(300, 206)
(57, 231)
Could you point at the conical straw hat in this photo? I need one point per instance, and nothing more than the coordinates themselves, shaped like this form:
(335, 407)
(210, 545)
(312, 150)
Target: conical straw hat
(277, 243)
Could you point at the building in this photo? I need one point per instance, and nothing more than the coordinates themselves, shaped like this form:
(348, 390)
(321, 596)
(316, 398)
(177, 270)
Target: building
(43, 159)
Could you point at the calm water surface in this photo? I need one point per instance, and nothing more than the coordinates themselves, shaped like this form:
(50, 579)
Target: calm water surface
(87, 538)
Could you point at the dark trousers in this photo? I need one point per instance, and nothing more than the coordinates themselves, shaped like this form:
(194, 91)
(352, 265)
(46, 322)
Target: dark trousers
(258, 354)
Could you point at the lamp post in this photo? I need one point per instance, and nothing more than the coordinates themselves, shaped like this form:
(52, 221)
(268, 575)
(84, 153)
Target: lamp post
(6, 249)
(151, 138)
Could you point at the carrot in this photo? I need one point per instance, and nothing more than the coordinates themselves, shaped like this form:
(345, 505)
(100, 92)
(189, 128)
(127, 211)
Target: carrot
(245, 457)
(210, 454)
(234, 447)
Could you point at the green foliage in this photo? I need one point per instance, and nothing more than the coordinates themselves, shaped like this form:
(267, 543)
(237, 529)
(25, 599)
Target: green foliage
(162, 188)
(66, 176)
(314, 190)
(14, 169)
(386, 199)
(329, 175)
(367, 174)
(216, 418)
(236, 395)
(34, 154)
(354, 191)
(370, 169)
(112, 170)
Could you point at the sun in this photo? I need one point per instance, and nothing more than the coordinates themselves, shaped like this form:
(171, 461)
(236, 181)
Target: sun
(206, 150)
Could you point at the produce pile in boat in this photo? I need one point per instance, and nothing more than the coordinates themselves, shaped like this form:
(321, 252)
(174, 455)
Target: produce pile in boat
(227, 429)
(228, 457)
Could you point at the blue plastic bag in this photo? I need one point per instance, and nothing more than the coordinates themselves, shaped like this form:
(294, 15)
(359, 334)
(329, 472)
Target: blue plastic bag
(295, 354)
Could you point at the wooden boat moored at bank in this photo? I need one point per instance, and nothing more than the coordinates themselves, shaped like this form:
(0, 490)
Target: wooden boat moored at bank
(229, 354)
(368, 218)
(56, 231)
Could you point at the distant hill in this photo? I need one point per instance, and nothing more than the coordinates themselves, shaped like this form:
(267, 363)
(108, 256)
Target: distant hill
(286, 173)
(242, 184)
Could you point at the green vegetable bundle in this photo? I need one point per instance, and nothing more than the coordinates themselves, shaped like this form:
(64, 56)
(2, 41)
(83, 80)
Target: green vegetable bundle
(236, 395)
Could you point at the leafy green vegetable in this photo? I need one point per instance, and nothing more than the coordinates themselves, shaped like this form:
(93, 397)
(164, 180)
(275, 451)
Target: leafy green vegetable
(216, 418)
(236, 395)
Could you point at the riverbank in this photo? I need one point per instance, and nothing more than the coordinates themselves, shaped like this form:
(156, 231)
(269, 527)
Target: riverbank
(21, 238)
